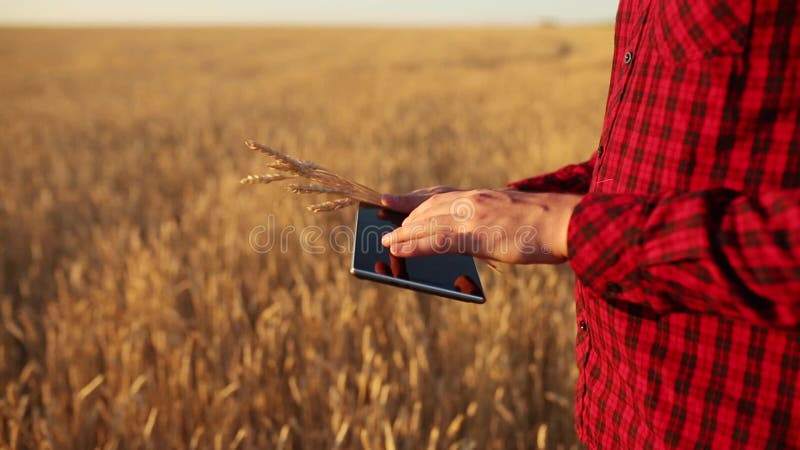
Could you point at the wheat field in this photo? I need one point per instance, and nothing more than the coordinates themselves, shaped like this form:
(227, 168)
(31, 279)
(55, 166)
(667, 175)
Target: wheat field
(136, 311)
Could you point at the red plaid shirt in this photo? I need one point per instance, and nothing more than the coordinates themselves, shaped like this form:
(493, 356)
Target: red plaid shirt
(686, 246)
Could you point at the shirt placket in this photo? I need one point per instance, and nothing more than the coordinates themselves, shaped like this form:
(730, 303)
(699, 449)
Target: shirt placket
(583, 308)
(632, 49)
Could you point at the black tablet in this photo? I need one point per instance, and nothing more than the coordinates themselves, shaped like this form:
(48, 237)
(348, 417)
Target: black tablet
(451, 276)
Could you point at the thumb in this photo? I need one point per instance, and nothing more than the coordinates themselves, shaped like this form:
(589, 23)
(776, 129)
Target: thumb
(401, 203)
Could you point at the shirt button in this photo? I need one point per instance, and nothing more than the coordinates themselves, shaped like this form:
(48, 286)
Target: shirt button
(628, 57)
(583, 325)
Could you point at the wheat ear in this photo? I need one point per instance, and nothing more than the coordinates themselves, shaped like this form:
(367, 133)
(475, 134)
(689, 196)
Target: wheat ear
(323, 180)
(333, 205)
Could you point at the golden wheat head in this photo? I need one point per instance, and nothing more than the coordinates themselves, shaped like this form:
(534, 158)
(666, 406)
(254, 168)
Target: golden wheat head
(323, 181)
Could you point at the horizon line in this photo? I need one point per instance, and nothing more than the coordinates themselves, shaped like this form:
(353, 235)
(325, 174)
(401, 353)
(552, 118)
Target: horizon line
(544, 22)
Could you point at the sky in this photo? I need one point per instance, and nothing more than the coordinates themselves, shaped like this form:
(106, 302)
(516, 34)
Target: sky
(422, 12)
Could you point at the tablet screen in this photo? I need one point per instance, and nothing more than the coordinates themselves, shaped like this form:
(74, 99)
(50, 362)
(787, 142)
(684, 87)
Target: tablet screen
(453, 276)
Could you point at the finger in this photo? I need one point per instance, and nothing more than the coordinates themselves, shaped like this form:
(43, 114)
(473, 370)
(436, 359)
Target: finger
(404, 233)
(439, 204)
(407, 202)
(466, 285)
(433, 244)
(436, 235)
(398, 266)
(402, 203)
(421, 228)
(383, 214)
(381, 268)
(427, 192)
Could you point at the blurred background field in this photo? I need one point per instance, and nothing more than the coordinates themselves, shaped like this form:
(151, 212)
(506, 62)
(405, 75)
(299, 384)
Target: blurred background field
(134, 312)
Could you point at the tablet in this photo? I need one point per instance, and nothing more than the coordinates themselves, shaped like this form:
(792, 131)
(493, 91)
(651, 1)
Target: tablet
(451, 276)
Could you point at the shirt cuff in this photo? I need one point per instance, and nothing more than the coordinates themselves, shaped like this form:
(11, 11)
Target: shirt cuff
(605, 242)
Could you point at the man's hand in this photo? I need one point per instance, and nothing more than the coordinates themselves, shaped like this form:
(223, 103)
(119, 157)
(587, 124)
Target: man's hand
(503, 225)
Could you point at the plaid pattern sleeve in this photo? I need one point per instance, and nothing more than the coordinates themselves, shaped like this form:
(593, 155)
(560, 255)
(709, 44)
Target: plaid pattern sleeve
(571, 179)
(686, 248)
(713, 251)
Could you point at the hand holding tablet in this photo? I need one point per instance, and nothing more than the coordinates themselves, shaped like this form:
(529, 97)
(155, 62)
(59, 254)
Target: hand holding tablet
(451, 276)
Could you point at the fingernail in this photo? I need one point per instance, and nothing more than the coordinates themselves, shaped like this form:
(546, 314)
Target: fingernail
(386, 240)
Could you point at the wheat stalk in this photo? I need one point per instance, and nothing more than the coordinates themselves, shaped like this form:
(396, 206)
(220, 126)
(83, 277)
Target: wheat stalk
(265, 179)
(323, 181)
(315, 189)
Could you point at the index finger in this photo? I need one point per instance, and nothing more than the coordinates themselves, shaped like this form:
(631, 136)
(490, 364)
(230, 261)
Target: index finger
(408, 232)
